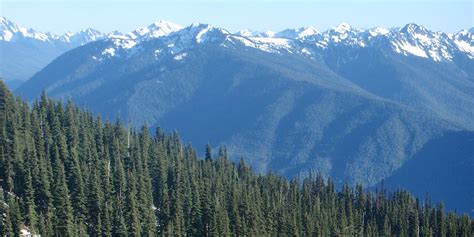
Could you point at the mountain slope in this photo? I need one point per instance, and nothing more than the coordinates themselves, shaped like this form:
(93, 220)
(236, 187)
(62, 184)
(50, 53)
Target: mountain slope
(450, 159)
(148, 183)
(26, 51)
(354, 105)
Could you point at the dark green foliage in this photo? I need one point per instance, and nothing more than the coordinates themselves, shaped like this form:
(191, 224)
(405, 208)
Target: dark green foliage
(66, 173)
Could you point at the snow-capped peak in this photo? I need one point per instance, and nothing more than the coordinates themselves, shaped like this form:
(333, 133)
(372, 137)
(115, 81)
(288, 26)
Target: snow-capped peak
(378, 31)
(157, 29)
(82, 37)
(11, 31)
(253, 33)
(297, 33)
(413, 28)
(5, 23)
(92, 34)
(246, 33)
(342, 28)
(7, 28)
(201, 35)
(307, 31)
(203, 32)
(269, 34)
(342, 32)
(464, 41)
(410, 40)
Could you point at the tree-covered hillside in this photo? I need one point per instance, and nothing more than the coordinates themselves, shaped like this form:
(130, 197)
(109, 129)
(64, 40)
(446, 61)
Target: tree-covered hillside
(66, 173)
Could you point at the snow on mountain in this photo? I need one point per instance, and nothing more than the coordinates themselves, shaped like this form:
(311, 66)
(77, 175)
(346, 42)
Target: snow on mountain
(268, 33)
(343, 33)
(25, 51)
(342, 28)
(419, 41)
(83, 36)
(410, 40)
(175, 38)
(267, 44)
(299, 33)
(157, 29)
(204, 32)
(123, 42)
(464, 41)
(194, 34)
(12, 32)
(249, 33)
(252, 33)
(376, 31)
(7, 29)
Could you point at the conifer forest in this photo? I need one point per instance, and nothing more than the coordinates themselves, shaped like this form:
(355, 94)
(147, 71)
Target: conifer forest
(67, 172)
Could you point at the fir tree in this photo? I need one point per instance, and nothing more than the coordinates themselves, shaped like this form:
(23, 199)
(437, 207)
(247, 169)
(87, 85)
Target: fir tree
(65, 172)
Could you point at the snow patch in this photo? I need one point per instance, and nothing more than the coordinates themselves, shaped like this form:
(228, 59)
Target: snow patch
(157, 53)
(200, 37)
(272, 45)
(422, 38)
(407, 48)
(109, 52)
(6, 35)
(299, 33)
(465, 47)
(125, 44)
(274, 41)
(245, 41)
(306, 51)
(268, 33)
(180, 57)
(342, 28)
(307, 31)
(378, 31)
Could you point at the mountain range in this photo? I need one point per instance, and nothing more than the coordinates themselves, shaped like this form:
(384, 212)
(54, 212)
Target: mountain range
(26, 51)
(357, 105)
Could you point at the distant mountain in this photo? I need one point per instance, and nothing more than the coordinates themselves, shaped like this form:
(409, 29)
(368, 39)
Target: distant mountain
(357, 105)
(155, 30)
(378, 60)
(297, 33)
(25, 51)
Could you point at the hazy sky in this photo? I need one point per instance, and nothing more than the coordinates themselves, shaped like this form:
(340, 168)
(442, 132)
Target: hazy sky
(106, 15)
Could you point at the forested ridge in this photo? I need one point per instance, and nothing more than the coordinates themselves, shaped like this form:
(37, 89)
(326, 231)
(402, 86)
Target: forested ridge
(65, 172)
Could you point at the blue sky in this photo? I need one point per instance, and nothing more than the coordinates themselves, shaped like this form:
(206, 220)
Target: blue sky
(106, 15)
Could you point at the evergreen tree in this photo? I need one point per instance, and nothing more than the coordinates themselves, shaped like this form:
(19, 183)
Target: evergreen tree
(94, 205)
(64, 172)
(64, 223)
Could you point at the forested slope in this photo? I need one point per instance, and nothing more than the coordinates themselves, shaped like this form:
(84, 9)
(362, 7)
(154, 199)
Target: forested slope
(66, 173)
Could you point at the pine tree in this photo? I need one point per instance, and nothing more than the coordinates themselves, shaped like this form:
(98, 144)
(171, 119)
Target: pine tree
(119, 224)
(14, 218)
(132, 212)
(94, 205)
(6, 227)
(208, 152)
(64, 223)
(414, 226)
(64, 172)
